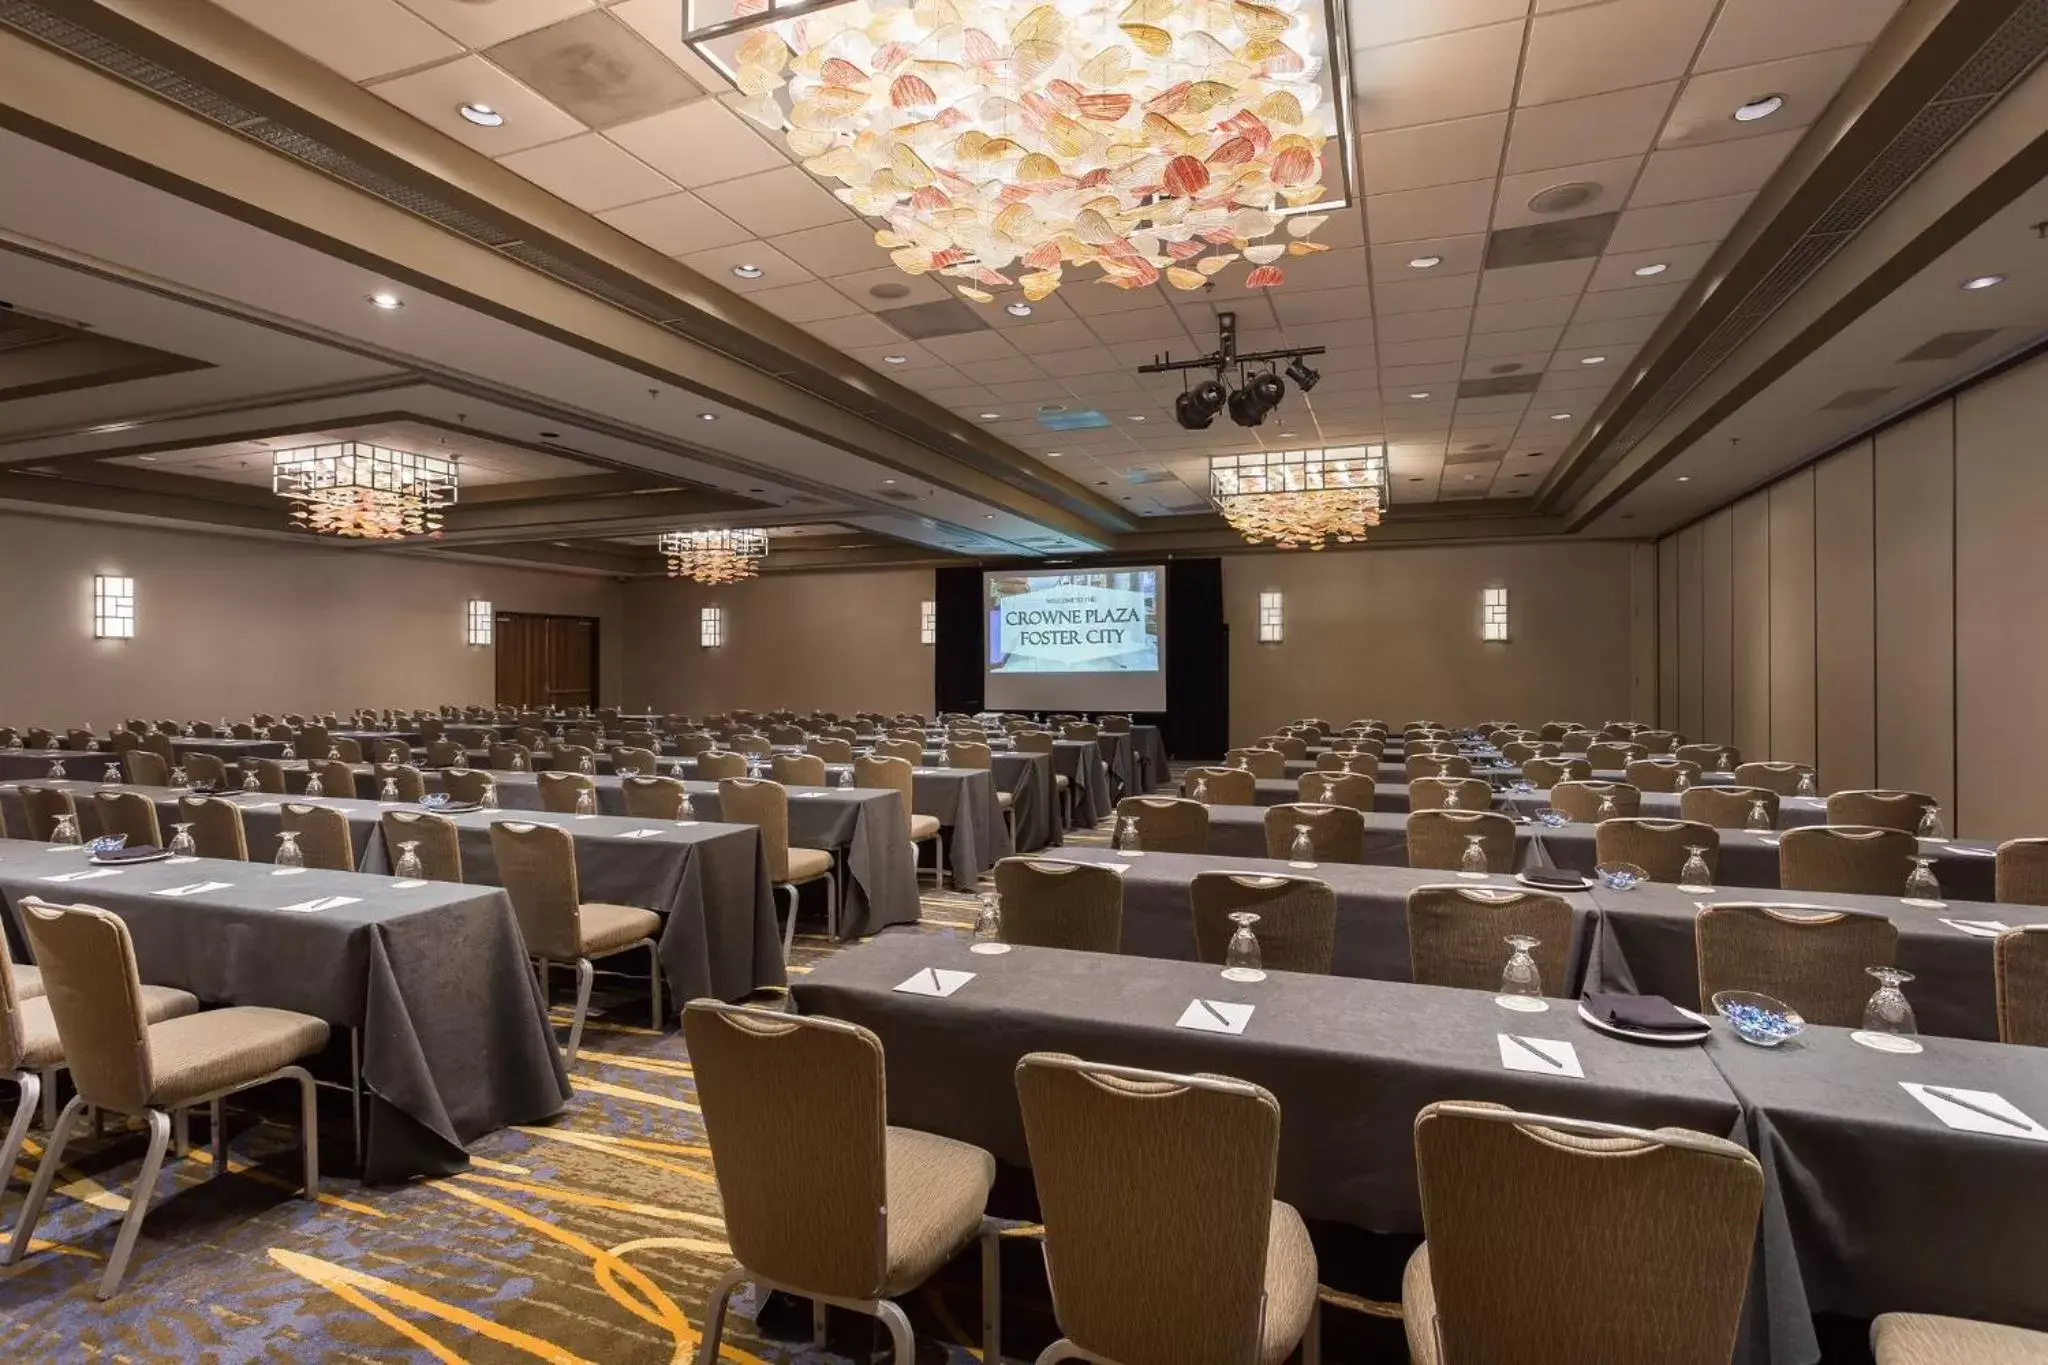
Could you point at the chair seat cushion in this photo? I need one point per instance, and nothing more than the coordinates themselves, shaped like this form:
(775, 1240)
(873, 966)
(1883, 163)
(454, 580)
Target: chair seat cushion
(923, 827)
(937, 1191)
(198, 1054)
(41, 1046)
(808, 864)
(28, 982)
(1418, 1309)
(608, 928)
(1005, 800)
(1291, 1284)
(1059, 781)
(1924, 1339)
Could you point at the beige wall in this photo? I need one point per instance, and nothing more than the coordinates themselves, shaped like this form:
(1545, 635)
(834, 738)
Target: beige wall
(843, 641)
(1395, 633)
(231, 626)
(1886, 613)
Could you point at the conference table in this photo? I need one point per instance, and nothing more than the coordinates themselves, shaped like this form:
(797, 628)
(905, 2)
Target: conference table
(432, 978)
(1871, 1203)
(1966, 869)
(1240, 832)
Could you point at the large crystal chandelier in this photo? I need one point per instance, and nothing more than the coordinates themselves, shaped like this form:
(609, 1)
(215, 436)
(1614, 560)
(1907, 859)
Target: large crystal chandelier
(722, 556)
(1297, 498)
(1003, 141)
(363, 491)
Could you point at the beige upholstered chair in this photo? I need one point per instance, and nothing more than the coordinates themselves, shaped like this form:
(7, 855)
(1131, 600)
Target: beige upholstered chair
(1658, 741)
(1859, 859)
(1166, 824)
(693, 743)
(1882, 809)
(643, 761)
(1708, 755)
(1338, 832)
(715, 765)
(323, 835)
(442, 753)
(439, 842)
(1224, 786)
(785, 734)
(132, 1053)
(1926, 1339)
(1047, 904)
(765, 804)
(2022, 872)
(1782, 778)
(754, 746)
(1290, 746)
(1437, 838)
(1163, 1242)
(410, 781)
(146, 769)
(2020, 962)
(581, 737)
(1297, 928)
(337, 778)
(1811, 958)
(470, 785)
(1661, 775)
(45, 806)
(559, 791)
(1656, 846)
(911, 751)
(1437, 765)
(1581, 801)
(537, 868)
(345, 750)
(1554, 731)
(878, 771)
(1520, 751)
(1454, 793)
(1079, 730)
(832, 748)
(1548, 772)
(160, 745)
(1457, 935)
(1578, 741)
(1727, 807)
(217, 830)
(311, 741)
(1608, 756)
(1554, 1241)
(1435, 748)
(798, 770)
(569, 758)
(653, 798)
(842, 1209)
(511, 757)
(270, 775)
(1260, 762)
(205, 768)
(392, 751)
(1336, 789)
(129, 813)
(1363, 761)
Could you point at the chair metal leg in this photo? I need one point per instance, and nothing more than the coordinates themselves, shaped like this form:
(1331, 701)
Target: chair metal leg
(714, 1315)
(903, 1346)
(218, 1114)
(355, 1092)
(789, 930)
(584, 974)
(991, 1295)
(654, 980)
(1312, 1339)
(49, 1097)
(832, 911)
(31, 1086)
(46, 1173)
(818, 1323)
(181, 1145)
(309, 1125)
(138, 1203)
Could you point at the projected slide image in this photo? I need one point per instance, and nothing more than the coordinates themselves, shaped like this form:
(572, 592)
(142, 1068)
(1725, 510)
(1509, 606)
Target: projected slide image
(1074, 623)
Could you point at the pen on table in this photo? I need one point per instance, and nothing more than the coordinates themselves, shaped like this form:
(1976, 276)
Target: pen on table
(1218, 1015)
(937, 984)
(1959, 1102)
(1534, 1050)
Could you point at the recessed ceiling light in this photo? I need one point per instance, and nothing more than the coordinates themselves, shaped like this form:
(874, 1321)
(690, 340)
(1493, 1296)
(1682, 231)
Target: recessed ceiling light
(105, 427)
(1054, 454)
(387, 301)
(1984, 282)
(895, 360)
(482, 115)
(1656, 268)
(1560, 417)
(1685, 478)
(1762, 107)
(1019, 310)
(1137, 417)
(888, 481)
(1425, 262)
(988, 516)
(1592, 360)
(1423, 394)
(990, 416)
(707, 417)
(748, 272)
(146, 459)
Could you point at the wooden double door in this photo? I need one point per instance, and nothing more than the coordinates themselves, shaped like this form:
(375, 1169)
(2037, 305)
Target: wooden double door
(546, 661)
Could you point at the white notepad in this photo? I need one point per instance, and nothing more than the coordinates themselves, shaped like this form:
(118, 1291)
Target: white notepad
(409, 884)
(193, 889)
(1545, 1056)
(640, 834)
(1953, 1106)
(935, 981)
(287, 871)
(1982, 928)
(86, 875)
(1215, 1016)
(316, 905)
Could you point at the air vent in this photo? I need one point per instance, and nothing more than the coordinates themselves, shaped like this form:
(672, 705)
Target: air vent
(1851, 399)
(1949, 345)
(1147, 474)
(897, 495)
(1570, 239)
(1499, 385)
(944, 318)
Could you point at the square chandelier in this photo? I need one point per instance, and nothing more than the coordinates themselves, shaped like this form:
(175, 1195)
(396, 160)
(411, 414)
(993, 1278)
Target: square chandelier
(1003, 143)
(1301, 498)
(363, 491)
(725, 555)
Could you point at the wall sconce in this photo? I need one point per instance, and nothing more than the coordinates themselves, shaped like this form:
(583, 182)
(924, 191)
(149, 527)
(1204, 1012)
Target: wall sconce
(1493, 614)
(113, 608)
(480, 622)
(927, 623)
(710, 627)
(1272, 619)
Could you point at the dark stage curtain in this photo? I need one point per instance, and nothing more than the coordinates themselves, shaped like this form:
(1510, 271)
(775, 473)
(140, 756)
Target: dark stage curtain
(956, 652)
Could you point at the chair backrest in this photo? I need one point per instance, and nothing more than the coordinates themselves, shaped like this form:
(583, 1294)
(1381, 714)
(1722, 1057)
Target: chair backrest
(1656, 846)
(1860, 859)
(798, 770)
(1520, 751)
(653, 798)
(205, 768)
(1357, 761)
(1297, 928)
(393, 751)
(714, 765)
(1661, 775)
(537, 868)
(442, 753)
(1883, 809)
(1548, 772)
(569, 757)
(311, 741)
(95, 998)
(1581, 801)
(146, 768)
(1658, 741)
(785, 734)
(1157, 1197)
(1612, 756)
(1116, 725)
(129, 813)
(644, 761)
(270, 775)
(1167, 824)
(910, 751)
(754, 746)
(1260, 762)
(438, 837)
(832, 748)
(1810, 957)
(1031, 741)
(2020, 964)
(1224, 786)
(1727, 807)
(120, 742)
(1437, 765)
(1337, 789)
(411, 782)
(1708, 755)
(217, 830)
(1457, 935)
(912, 733)
(970, 754)
(1047, 904)
(1079, 730)
(2023, 872)
(581, 737)
(1290, 746)
(1578, 741)
(558, 791)
(1336, 832)
(1437, 838)
(691, 744)
(1556, 1241)
(345, 749)
(1782, 778)
(45, 806)
(323, 835)
(511, 757)
(1434, 793)
(758, 801)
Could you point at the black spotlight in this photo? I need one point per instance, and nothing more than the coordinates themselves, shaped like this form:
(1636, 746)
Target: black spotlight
(1304, 378)
(1198, 407)
(1250, 404)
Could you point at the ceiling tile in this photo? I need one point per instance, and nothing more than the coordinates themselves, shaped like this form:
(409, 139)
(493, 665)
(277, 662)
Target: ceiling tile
(1614, 179)
(1650, 301)
(806, 302)
(1456, 256)
(1070, 364)
(717, 263)
(597, 69)
(1421, 296)
(1396, 355)
(660, 22)
(1603, 127)
(1439, 211)
(1617, 271)
(776, 202)
(432, 96)
(1697, 220)
(676, 225)
(1500, 345)
(1706, 108)
(1762, 30)
(1629, 332)
(962, 348)
(1429, 80)
(1714, 170)
(1557, 278)
(1597, 359)
(1611, 47)
(1516, 317)
(698, 144)
(1434, 153)
(480, 25)
(1038, 339)
(898, 289)
(1105, 382)
(589, 172)
(861, 329)
(1328, 305)
(1324, 270)
(1378, 22)
(1444, 322)
(362, 39)
(1145, 324)
(835, 249)
(1094, 298)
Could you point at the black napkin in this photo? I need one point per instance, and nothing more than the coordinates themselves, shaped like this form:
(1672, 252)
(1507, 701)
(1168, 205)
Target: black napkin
(1569, 881)
(1648, 1013)
(130, 853)
(456, 808)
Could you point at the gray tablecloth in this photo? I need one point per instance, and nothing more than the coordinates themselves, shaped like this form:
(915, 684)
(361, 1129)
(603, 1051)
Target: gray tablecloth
(33, 765)
(455, 1036)
(262, 814)
(1240, 832)
(868, 823)
(1372, 909)
(1080, 762)
(231, 750)
(1793, 811)
(1967, 871)
(1120, 756)
(1034, 808)
(1150, 746)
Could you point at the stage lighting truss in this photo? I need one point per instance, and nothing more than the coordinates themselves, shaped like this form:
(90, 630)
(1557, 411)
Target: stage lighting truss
(1297, 499)
(1257, 393)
